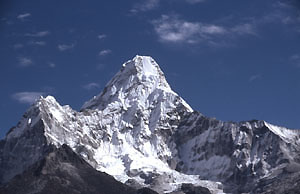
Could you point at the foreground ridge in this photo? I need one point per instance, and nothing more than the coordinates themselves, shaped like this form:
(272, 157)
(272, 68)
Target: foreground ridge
(142, 133)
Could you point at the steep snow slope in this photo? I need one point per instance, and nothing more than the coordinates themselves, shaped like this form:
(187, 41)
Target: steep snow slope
(142, 133)
(125, 131)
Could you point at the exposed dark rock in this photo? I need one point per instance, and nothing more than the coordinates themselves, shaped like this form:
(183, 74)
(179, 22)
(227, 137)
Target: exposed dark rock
(191, 189)
(284, 184)
(62, 171)
(146, 191)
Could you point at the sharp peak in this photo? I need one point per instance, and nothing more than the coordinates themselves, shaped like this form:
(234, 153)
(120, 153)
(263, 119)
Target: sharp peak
(139, 58)
(144, 68)
(44, 102)
(41, 104)
(140, 71)
(143, 65)
(41, 101)
(40, 108)
(48, 98)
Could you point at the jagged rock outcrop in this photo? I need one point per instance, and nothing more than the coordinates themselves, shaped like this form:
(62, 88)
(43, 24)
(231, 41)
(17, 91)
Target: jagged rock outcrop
(63, 171)
(237, 154)
(145, 135)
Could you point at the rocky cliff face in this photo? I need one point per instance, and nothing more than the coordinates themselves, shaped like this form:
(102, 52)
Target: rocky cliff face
(240, 155)
(143, 134)
(63, 171)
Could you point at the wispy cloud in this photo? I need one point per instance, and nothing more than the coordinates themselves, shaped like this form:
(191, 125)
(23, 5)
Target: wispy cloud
(100, 66)
(254, 77)
(51, 65)
(27, 97)
(148, 5)
(38, 34)
(195, 1)
(23, 16)
(286, 12)
(25, 61)
(38, 43)
(91, 86)
(145, 5)
(64, 47)
(244, 29)
(101, 36)
(289, 4)
(6, 21)
(18, 46)
(173, 29)
(105, 52)
(295, 59)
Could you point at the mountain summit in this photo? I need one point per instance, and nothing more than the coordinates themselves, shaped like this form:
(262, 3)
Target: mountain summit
(136, 81)
(142, 133)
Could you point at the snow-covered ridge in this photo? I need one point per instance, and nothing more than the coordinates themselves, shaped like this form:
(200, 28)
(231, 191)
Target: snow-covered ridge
(125, 131)
(42, 106)
(288, 135)
(138, 129)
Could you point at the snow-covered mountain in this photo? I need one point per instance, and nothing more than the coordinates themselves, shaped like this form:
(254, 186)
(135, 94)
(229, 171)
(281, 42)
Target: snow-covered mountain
(145, 135)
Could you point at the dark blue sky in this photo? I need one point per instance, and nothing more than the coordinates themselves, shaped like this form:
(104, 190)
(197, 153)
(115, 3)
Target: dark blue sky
(233, 60)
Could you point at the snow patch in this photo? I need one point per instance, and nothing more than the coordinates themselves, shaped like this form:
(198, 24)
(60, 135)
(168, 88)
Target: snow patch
(288, 135)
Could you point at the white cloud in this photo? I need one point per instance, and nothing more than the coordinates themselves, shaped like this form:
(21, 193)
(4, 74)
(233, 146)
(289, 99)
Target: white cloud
(101, 36)
(64, 47)
(254, 77)
(27, 97)
(105, 52)
(91, 86)
(38, 34)
(23, 16)
(173, 29)
(25, 62)
(145, 5)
